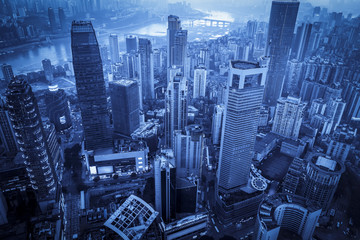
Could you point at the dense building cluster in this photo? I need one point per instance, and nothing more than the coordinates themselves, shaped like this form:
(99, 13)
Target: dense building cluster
(252, 134)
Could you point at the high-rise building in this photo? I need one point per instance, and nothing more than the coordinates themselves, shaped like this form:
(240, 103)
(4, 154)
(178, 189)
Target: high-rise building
(90, 85)
(251, 28)
(7, 72)
(286, 212)
(321, 178)
(205, 57)
(301, 42)
(7, 135)
(340, 142)
(243, 101)
(174, 25)
(293, 78)
(217, 122)
(199, 89)
(125, 104)
(179, 49)
(52, 20)
(62, 19)
(280, 34)
(46, 63)
(176, 103)
(26, 120)
(146, 68)
(318, 106)
(165, 186)
(130, 65)
(57, 108)
(131, 44)
(288, 117)
(172, 71)
(351, 95)
(335, 110)
(188, 150)
(114, 48)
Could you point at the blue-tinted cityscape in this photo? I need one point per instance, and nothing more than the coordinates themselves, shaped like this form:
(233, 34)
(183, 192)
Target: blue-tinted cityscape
(179, 120)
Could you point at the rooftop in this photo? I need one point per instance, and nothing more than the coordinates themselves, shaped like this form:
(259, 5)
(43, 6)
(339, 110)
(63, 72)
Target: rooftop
(132, 218)
(185, 221)
(243, 65)
(325, 164)
(123, 82)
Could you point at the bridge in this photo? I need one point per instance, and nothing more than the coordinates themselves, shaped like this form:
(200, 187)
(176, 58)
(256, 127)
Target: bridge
(191, 22)
(206, 22)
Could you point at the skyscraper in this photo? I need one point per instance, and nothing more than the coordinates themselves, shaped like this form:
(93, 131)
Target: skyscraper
(335, 110)
(176, 102)
(52, 19)
(7, 72)
(288, 117)
(131, 44)
(188, 150)
(242, 110)
(57, 108)
(90, 85)
(62, 19)
(165, 187)
(114, 48)
(146, 67)
(125, 106)
(199, 89)
(26, 120)
(174, 25)
(179, 49)
(281, 30)
(301, 42)
(46, 63)
(217, 122)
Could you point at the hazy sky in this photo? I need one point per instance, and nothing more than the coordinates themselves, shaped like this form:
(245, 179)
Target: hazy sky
(345, 6)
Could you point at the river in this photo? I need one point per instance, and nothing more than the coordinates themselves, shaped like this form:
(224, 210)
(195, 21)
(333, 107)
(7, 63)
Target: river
(28, 57)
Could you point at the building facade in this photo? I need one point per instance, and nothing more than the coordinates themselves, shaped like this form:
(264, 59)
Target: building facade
(26, 120)
(199, 88)
(146, 69)
(176, 107)
(114, 48)
(286, 212)
(174, 25)
(188, 150)
(125, 106)
(57, 108)
(288, 117)
(243, 101)
(90, 85)
(322, 178)
(280, 34)
(165, 187)
(7, 72)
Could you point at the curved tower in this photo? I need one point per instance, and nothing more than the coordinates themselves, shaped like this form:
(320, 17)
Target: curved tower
(26, 120)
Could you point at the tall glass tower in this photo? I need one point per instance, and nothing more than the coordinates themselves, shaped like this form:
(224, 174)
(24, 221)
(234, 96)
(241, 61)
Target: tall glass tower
(146, 66)
(174, 25)
(176, 104)
(90, 85)
(280, 34)
(26, 120)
